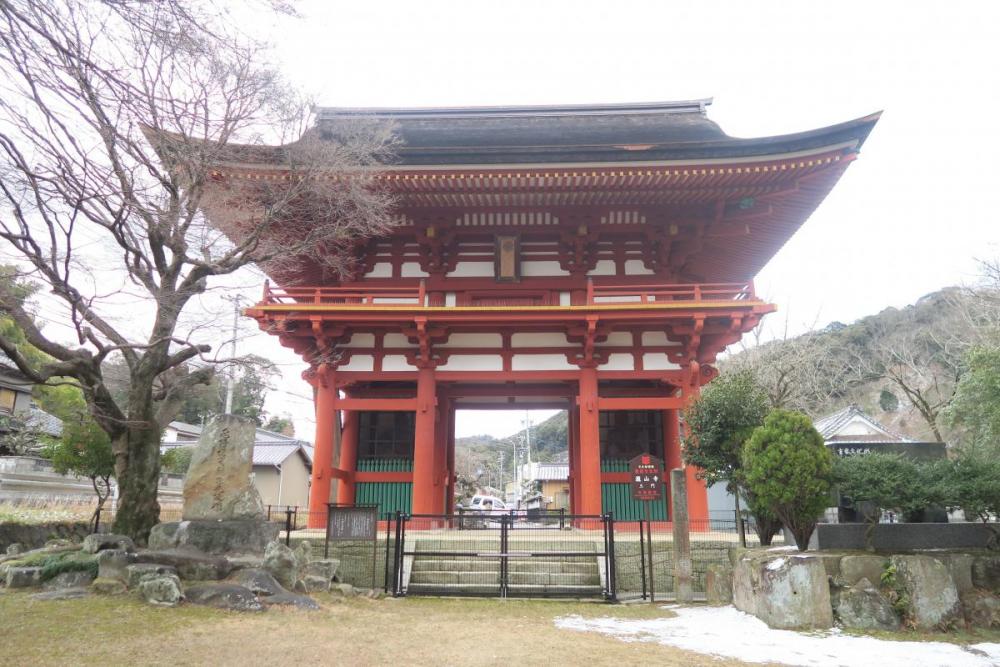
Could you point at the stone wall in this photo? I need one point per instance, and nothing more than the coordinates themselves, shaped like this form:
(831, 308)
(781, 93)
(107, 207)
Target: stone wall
(939, 590)
(33, 536)
(896, 537)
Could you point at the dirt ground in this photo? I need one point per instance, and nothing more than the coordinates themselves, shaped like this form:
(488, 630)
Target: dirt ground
(125, 631)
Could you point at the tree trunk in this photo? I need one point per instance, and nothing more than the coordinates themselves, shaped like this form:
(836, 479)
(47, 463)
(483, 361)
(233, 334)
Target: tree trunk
(137, 468)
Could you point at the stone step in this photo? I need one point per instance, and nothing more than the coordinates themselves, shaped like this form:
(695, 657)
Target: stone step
(582, 591)
(514, 578)
(493, 565)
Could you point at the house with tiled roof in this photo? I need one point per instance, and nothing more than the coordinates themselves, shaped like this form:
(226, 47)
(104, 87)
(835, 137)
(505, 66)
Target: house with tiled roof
(851, 431)
(281, 464)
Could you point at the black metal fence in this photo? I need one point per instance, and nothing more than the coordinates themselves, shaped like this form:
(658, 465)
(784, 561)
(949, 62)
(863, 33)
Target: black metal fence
(508, 554)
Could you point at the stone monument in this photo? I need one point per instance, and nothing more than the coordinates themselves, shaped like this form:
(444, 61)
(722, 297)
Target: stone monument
(223, 512)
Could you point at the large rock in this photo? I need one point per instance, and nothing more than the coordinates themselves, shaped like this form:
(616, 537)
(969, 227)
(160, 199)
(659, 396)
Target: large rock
(326, 568)
(190, 564)
(281, 562)
(15, 549)
(315, 584)
(217, 485)
(960, 566)
(64, 580)
(290, 600)
(862, 607)
(981, 608)
(113, 564)
(162, 590)
(245, 536)
(986, 573)
(854, 568)
(137, 571)
(303, 553)
(108, 586)
(934, 602)
(223, 596)
(784, 591)
(61, 594)
(260, 582)
(719, 584)
(97, 542)
(24, 577)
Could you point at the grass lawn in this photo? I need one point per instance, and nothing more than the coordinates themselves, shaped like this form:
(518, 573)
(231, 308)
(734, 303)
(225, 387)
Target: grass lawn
(427, 631)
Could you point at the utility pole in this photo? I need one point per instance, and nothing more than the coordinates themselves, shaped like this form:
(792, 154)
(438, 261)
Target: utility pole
(500, 471)
(237, 301)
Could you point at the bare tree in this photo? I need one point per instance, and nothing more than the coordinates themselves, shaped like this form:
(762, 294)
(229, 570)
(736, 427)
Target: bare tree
(114, 117)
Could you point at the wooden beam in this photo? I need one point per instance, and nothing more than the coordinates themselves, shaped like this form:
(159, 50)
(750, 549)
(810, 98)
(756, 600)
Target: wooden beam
(376, 404)
(644, 403)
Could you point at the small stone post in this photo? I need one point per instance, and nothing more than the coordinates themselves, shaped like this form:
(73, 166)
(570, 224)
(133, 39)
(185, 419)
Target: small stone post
(682, 536)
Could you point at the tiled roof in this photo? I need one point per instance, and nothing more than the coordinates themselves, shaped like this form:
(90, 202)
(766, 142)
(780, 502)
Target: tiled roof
(830, 426)
(551, 472)
(269, 447)
(46, 423)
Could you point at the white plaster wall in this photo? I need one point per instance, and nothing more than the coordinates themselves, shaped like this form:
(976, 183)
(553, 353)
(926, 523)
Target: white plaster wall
(397, 340)
(412, 270)
(361, 340)
(636, 267)
(658, 361)
(617, 339)
(539, 340)
(604, 267)
(359, 362)
(565, 299)
(473, 362)
(472, 270)
(542, 268)
(619, 361)
(449, 299)
(396, 362)
(472, 340)
(657, 338)
(541, 362)
(391, 300)
(625, 298)
(857, 426)
(380, 270)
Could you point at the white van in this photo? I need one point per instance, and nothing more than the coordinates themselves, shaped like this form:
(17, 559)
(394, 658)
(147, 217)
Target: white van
(487, 505)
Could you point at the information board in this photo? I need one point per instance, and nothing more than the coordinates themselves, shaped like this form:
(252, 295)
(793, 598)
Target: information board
(646, 477)
(352, 523)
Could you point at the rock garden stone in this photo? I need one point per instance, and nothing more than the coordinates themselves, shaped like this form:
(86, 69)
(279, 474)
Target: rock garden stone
(934, 602)
(290, 599)
(854, 568)
(378, 594)
(719, 584)
(61, 594)
(190, 564)
(60, 543)
(986, 573)
(108, 586)
(237, 536)
(981, 609)
(137, 571)
(161, 589)
(64, 580)
(217, 485)
(24, 577)
(315, 584)
(322, 568)
(960, 566)
(223, 596)
(97, 542)
(113, 564)
(863, 607)
(260, 582)
(15, 549)
(303, 553)
(281, 562)
(245, 562)
(784, 591)
(347, 590)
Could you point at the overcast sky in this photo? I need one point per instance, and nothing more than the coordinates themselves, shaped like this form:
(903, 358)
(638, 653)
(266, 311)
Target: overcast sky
(909, 217)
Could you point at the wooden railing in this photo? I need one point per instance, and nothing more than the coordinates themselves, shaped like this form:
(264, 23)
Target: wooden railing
(597, 294)
(416, 296)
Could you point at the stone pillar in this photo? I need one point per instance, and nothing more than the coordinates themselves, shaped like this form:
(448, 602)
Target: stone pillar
(325, 399)
(682, 538)
(589, 463)
(348, 457)
(671, 448)
(423, 444)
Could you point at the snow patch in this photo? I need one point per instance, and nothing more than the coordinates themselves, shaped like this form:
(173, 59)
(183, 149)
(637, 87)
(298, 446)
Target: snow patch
(724, 632)
(775, 564)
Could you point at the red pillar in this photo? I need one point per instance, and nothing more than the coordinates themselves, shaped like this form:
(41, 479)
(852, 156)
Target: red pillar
(589, 465)
(441, 457)
(574, 456)
(423, 444)
(449, 504)
(326, 412)
(348, 457)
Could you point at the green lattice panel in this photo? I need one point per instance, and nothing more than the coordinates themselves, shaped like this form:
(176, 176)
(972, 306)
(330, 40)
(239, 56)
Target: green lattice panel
(617, 498)
(389, 496)
(385, 465)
